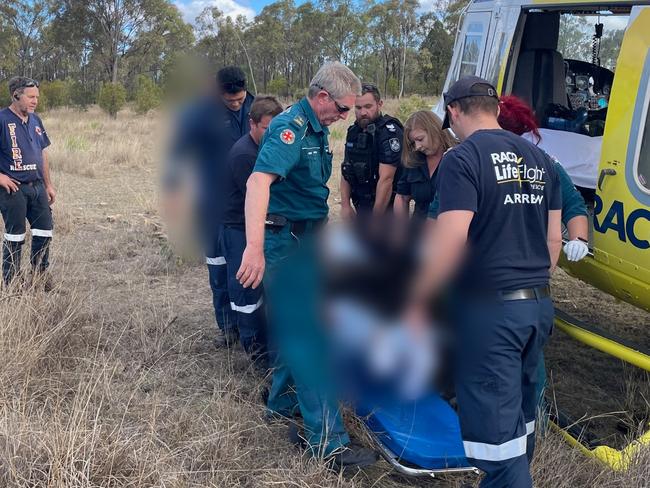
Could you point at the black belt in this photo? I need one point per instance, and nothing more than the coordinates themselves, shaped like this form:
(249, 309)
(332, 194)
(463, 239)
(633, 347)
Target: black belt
(526, 293)
(298, 227)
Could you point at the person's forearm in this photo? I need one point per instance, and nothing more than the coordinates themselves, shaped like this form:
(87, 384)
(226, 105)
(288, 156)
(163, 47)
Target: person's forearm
(554, 237)
(346, 193)
(401, 206)
(256, 206)
(383, 194)
(578, 228)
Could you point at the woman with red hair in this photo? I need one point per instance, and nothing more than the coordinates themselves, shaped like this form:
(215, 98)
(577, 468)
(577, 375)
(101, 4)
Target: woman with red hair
(517, 117)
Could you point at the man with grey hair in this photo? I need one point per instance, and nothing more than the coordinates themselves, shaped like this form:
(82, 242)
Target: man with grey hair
(286, 204)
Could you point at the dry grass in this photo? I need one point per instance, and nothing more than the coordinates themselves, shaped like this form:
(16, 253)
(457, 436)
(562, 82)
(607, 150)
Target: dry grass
(111, 380)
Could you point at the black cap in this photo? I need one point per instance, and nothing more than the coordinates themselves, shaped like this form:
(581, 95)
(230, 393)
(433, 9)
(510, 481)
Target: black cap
(468, 86)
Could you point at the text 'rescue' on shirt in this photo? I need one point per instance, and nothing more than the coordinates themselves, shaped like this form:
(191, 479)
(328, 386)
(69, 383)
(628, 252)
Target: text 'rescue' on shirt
(510, 185)
(21, 146)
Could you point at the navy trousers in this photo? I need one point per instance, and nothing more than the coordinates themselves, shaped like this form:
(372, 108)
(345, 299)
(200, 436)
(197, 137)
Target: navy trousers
(498, 351)
(245, 302)
(218, 273)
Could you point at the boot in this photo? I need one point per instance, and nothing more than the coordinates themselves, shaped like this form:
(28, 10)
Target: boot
(354, 456)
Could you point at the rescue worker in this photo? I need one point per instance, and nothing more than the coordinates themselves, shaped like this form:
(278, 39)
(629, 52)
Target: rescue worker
(246, 302)
(497, 236)
(424, 144)
(373, 148)
(27, 191)
(206, 132)
(286, 204)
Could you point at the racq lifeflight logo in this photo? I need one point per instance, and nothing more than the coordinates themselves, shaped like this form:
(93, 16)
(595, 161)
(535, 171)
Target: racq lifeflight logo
(510, 168)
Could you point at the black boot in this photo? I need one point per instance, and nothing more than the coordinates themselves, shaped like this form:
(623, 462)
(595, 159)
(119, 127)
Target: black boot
(11, 254)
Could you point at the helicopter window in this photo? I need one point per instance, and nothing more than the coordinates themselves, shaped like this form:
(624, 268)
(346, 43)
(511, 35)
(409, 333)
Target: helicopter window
(472, 49)
(643, 161)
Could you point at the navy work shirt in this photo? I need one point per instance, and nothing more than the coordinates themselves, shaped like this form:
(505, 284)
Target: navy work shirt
(21, 146)
(510, 185)
(416, 183)
(241, 162)
(206, 130)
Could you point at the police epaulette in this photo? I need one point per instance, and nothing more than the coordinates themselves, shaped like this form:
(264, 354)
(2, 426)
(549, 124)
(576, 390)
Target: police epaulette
(298, 121)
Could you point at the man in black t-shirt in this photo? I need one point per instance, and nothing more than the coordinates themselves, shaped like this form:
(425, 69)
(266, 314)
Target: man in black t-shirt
(245, 302)
(496, 238)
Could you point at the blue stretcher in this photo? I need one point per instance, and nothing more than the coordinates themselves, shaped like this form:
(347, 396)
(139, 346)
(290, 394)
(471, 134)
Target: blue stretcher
(418, 438)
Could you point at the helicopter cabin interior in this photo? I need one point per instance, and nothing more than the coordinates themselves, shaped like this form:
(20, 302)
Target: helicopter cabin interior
(563, 62)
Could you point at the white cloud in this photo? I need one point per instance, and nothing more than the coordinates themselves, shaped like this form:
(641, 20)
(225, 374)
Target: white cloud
(191, 9)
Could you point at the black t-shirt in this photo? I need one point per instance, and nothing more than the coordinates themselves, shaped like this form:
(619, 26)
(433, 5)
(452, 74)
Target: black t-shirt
(416, 183)
(239, 167)
(510, 185)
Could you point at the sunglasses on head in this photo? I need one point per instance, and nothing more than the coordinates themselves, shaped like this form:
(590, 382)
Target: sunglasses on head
(233, 85)
(340, 108)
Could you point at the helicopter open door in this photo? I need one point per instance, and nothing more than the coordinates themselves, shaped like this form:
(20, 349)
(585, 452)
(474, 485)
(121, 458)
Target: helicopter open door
(621, 237)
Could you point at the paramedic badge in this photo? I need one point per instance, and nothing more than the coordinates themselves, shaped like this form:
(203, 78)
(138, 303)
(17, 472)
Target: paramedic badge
(395, 145)
(287, 136)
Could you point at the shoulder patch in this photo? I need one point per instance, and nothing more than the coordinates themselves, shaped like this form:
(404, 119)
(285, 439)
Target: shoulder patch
(298, 121)
(287, 136)
(391, 127)
(395, 146)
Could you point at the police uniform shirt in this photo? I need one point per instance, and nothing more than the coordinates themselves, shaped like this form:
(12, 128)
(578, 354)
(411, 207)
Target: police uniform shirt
(510, 185)
(237, 123)
(241, 161)
(416, 183)
(387, 144)
(295, 148)
(21, 146)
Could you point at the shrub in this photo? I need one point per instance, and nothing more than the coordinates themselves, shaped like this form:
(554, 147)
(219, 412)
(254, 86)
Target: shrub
(81, 96)
(147, 95)
(278, 86)
(54, 94)
(392, 87)
(112, 97)
(410, 105)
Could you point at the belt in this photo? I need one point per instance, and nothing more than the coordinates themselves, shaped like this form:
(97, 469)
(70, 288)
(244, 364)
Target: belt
(298, 227)
(526, 293)
(31, 183)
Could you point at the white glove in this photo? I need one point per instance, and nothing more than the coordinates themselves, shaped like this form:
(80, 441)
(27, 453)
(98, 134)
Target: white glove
(576, 249)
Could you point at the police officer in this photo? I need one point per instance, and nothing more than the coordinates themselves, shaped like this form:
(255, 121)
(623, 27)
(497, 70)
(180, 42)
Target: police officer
(497, 235)
(246, 302)
(373, 149)
(27, 190)
(286, 203)
(206, 131)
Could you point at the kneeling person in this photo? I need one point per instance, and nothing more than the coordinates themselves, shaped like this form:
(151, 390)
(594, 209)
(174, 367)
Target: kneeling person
(245, 302)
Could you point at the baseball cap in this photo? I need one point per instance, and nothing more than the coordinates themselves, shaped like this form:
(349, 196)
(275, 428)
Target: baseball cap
(468, 86)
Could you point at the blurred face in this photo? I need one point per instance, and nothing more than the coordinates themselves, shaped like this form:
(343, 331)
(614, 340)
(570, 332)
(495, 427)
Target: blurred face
(367, 109)
(258, 129)
(328, 110)
(420, 140)
(234, 101)
(27, 100)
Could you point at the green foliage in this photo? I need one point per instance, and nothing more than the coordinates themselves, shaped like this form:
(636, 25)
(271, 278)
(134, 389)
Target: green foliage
(55, 94)
(410, 105)
(392, 88)
(278, 86)
(112, 97)
(81, 96)
(5, 98)
(148, 95)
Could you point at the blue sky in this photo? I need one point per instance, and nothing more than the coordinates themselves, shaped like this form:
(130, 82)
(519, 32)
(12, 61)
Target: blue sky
(191, 8)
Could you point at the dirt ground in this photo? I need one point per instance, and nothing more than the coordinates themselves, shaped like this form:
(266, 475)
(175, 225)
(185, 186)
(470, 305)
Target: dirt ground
(133, 393)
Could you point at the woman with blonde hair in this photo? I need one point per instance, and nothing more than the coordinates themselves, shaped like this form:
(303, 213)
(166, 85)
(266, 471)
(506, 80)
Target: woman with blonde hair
(424, 144)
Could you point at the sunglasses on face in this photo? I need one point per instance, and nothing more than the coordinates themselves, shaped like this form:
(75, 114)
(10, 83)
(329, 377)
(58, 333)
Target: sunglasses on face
(340, 108)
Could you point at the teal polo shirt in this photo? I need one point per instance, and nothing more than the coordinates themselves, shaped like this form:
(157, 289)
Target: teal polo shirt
(295, 147)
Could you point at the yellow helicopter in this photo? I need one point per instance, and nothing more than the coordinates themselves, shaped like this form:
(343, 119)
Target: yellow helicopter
(584, 66)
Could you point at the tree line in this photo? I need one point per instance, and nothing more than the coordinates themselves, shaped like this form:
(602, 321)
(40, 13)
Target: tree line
(85, 50)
